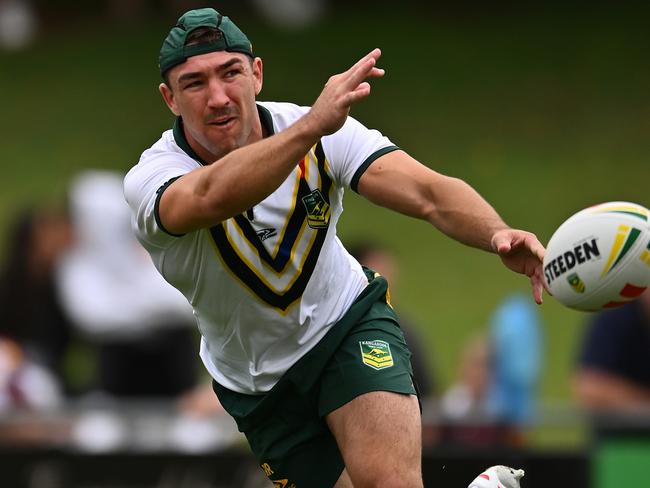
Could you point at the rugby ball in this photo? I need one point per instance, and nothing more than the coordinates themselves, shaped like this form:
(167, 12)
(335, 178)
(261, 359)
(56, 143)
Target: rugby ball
(600, 257)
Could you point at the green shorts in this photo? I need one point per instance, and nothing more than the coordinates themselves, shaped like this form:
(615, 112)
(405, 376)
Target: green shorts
(286, 429)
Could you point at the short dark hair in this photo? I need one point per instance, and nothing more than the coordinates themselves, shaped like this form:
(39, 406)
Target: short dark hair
(203, 35)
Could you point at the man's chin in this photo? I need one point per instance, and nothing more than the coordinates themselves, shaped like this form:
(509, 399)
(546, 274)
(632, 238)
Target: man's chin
(220, 148)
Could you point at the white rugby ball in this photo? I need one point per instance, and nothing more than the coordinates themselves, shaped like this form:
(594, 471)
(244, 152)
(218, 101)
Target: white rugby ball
(600, 257)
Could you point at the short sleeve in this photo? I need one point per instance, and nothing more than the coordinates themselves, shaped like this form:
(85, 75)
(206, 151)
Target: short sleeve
(352, 149)
(143, 187)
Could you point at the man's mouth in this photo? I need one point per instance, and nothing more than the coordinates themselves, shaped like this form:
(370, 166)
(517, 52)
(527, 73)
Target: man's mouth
(222, 121)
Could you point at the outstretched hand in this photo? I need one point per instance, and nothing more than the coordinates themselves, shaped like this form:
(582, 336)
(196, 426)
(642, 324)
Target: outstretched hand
(332, 107)
(523, 253)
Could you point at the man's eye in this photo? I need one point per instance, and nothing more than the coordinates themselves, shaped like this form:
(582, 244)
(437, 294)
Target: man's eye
(192, 84)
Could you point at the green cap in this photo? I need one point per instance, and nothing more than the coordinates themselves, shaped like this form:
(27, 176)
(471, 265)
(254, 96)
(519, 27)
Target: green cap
(174, 51)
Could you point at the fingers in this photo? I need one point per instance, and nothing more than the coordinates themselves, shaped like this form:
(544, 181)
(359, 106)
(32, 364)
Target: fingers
(538, 284)
(505, 242)
(522, 252)
(504, 247)
(374, 55)
(502, 242)
(331, 108)
(537, 277)
(536, 247)
(362, 91)
(362, 69)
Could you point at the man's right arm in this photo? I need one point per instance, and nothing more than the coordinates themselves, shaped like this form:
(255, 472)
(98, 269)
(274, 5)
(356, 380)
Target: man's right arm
(244, 177)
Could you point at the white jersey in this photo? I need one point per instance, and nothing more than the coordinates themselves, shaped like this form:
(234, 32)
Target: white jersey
(268, 284)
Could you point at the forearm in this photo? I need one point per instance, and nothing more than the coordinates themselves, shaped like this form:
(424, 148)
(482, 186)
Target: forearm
(236, 182)
(399, 182)
(249, 174)
(460, 212)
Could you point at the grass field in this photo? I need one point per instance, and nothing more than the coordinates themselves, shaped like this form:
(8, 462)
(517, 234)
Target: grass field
(543, 112)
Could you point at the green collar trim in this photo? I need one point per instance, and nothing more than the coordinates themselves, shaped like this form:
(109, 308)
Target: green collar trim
(179, 133)
(266, 119)
(181, 141)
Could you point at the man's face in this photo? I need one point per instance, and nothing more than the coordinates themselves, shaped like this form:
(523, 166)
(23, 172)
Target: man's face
(215, 94)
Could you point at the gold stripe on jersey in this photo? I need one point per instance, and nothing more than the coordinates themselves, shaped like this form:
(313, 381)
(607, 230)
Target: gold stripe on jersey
(238, 278)
(268, 269)
(290, 238)
(254, 279)
(286, 221)
(248, 234)
(282, 252)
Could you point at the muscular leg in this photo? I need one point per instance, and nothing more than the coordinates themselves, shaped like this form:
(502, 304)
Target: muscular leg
(379, 435)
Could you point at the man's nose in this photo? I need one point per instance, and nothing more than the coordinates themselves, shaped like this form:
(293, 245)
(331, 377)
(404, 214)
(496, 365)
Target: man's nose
(218, 96)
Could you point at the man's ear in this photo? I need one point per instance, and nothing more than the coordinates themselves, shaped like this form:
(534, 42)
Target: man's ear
(258, 74)
(168, 96)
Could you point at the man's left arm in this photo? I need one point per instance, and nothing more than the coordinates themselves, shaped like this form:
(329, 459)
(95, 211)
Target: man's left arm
(399, 182)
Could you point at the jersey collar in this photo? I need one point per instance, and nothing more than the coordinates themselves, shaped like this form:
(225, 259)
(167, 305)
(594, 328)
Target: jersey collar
(179, 133)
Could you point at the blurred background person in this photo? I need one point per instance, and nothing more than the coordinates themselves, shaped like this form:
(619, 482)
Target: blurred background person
(465, 417)
(24, 383)
(142, 327)
(495, 397)
(613, 370)
(516, 344)
(36, 329)
(466, 398)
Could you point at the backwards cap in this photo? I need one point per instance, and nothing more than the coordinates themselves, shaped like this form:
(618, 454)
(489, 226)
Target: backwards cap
(174, 51)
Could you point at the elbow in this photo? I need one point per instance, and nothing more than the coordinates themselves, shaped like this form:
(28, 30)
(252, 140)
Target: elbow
(218, 205)
(429, 212)
(211, 210)
(429, 207)
(423, 205)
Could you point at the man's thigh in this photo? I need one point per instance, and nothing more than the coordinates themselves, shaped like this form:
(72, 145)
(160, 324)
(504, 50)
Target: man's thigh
(369, 402)
(379, 435)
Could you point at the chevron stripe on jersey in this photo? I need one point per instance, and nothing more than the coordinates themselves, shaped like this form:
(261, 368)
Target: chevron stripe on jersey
(279, 274)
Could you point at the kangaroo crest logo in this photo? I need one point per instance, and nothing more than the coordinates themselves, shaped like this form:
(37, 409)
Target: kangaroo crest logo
(318, 210)
(576, 283)
(376, 354)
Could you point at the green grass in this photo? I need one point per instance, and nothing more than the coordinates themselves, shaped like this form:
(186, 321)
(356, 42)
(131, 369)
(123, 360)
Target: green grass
(543, 113)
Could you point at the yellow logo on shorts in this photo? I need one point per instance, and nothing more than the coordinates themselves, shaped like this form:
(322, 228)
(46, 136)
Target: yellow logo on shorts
(376, 354)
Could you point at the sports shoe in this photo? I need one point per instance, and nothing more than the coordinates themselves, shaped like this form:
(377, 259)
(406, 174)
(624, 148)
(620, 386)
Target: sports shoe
(498, 477)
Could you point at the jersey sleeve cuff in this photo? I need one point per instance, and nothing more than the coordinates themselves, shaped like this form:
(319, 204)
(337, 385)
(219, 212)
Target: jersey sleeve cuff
(354, 184)
(156, 208)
